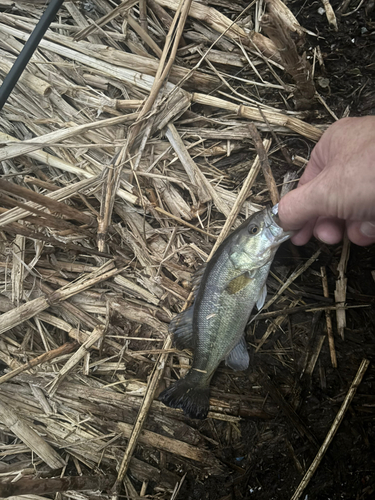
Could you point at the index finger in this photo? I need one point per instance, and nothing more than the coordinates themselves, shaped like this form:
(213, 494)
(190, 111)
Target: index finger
(314, 166)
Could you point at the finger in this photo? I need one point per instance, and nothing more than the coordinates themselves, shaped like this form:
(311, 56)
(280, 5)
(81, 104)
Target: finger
(361, 233)
(303, 236)
(314, 166)
(302, 204)
(329, 230)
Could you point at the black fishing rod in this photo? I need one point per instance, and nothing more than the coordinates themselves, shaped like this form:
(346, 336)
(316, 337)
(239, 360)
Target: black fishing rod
(28, 50)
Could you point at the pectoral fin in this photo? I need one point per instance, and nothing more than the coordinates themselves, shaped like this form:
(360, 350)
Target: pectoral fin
(262, 297)
(182, 328)
(238, 358)
(237, 284)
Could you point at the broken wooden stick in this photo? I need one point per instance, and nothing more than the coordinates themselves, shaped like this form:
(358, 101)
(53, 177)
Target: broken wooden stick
(66, 348)
(331, 340)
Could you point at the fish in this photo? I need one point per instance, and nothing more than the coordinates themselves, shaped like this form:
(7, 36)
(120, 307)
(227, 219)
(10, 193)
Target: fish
(227, 289)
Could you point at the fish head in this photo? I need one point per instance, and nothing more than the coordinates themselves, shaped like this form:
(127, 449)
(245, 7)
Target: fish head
(258, 238)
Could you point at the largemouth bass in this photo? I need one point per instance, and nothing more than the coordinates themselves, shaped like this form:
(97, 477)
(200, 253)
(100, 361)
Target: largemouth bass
(233, 281)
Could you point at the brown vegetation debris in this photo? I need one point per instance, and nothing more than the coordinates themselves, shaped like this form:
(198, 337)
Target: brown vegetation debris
(139, 136)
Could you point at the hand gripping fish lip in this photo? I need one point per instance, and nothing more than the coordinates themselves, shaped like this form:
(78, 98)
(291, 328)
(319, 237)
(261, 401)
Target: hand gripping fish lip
(272, 230)
(285, 235)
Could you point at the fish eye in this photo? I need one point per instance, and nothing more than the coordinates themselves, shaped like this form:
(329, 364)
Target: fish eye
(253, 229)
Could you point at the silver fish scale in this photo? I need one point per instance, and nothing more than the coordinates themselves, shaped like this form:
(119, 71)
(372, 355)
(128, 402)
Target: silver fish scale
(221, 317)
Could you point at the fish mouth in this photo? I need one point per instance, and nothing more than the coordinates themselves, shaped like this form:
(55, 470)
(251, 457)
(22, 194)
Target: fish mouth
(276, 232)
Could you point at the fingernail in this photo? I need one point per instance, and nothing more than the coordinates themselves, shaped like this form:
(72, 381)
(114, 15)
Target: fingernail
(368, 229)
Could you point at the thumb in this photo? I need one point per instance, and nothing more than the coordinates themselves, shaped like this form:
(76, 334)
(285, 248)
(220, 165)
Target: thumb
(301, 205)
(361, 233)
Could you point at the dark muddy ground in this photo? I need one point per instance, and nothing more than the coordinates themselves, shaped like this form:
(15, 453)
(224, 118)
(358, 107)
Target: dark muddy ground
(266, 459)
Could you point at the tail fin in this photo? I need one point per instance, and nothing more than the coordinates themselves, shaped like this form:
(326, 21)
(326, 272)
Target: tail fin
(189, 396)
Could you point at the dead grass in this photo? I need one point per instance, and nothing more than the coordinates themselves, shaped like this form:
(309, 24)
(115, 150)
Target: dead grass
(112, 196)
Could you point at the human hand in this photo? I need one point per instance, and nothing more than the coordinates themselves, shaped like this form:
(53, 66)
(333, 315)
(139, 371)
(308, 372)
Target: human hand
(337, 190)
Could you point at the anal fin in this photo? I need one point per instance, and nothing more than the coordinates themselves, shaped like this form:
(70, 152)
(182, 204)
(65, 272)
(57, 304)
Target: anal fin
(238, 358)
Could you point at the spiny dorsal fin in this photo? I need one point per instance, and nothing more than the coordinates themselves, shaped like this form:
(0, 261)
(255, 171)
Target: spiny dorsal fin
(237, 284)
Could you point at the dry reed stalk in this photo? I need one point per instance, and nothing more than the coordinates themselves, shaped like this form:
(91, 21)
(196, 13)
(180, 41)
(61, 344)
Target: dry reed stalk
(135, 289)
(331, 340)
(33, 82)
(165, 63)
(20, 489)
(287, 17)
(330, 13)
(142, 63)
(48, 202)
(263, 160)
(24, 147)
(297, 66)
(45, 220)
(7, 358)
(244, 193)
(171, 445)
(123, 7)
(66, 348)
(30, 309)
(144, 35)
(94, 337)
(60, 164)
(314, 358)
(19, 229)
(139, 315)
(331, 433)
(142, 415)
(252, 113)
(29, 437)
(334, 308)
(80, 20)
(111, 181)
(340, 291)
(183, 222)
(55, 321)
(196, 177)
(140, 80)
(223, 24)
(48, 159)
(276, 323)
(292, 277)
(18, 269)
(61, 194)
